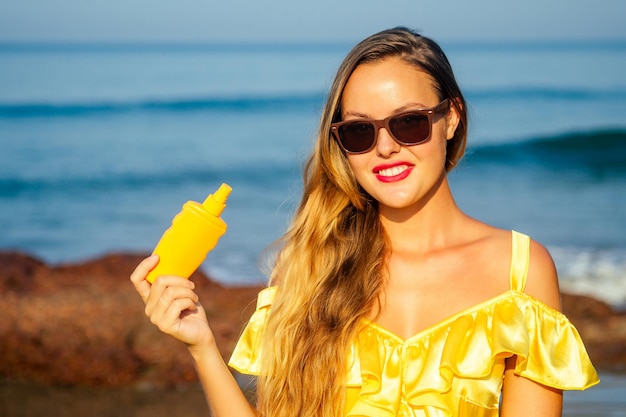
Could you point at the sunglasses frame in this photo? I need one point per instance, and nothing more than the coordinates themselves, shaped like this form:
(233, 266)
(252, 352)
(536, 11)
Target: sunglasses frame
(378, 124)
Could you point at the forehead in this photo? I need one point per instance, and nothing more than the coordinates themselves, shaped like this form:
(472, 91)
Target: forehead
(387, 85)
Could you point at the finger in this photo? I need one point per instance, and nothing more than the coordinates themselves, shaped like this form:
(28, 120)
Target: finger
(168, 315)
(138, 276)
(177, 309)
(165, 291)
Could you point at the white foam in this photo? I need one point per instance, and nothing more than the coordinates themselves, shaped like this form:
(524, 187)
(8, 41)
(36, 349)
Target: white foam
(600, 273)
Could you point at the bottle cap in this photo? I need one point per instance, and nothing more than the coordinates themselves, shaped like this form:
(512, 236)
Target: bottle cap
(215, 203)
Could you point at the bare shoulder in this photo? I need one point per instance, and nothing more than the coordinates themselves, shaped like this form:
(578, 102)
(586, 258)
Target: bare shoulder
(542, 282)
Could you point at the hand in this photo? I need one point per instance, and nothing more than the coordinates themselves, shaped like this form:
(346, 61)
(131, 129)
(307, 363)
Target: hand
(172, 305)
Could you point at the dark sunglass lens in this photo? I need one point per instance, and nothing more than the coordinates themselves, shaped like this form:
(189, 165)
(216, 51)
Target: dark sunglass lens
(411, 128)
(357, 136)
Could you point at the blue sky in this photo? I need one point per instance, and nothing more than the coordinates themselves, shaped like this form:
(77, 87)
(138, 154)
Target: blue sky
(294, 20)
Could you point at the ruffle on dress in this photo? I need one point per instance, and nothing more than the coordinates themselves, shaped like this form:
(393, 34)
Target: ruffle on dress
(454, 368)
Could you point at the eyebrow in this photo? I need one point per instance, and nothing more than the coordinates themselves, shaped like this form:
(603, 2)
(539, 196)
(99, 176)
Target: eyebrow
(402, 109)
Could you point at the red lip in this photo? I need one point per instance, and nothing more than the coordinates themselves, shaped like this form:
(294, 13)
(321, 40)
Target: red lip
(390, 177)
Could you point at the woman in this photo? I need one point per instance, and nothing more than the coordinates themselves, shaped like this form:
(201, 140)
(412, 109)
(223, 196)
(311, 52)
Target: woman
(386, 299)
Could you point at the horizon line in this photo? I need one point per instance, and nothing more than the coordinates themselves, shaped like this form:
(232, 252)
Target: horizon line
(345, 44)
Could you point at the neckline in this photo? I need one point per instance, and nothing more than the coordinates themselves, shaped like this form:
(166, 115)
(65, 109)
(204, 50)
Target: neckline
(517, 282)
(431, 329)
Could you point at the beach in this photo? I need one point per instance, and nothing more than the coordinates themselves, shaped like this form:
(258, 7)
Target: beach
(74, 338)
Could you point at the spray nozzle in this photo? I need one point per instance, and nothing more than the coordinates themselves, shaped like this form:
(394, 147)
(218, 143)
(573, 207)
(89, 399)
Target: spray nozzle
(216, 202)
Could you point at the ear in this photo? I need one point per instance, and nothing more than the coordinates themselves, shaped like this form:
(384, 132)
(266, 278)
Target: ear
(453, 117)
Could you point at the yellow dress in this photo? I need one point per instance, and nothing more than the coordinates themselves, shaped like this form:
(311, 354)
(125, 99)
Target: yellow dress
(455, 367)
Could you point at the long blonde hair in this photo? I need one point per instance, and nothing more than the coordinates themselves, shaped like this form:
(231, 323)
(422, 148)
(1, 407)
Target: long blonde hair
(331, 266)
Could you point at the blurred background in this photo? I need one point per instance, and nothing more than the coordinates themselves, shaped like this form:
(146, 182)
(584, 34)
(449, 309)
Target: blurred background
(113, 114)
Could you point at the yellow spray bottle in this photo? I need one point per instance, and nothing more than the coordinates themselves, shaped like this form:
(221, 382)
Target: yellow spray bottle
(192, 235)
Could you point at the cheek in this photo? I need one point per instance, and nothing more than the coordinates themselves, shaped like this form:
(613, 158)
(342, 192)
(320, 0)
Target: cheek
(358, 165)
(440, 152)
(353, 161)
(440, 136)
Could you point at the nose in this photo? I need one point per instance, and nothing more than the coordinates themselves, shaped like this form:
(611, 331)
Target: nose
(386, 145)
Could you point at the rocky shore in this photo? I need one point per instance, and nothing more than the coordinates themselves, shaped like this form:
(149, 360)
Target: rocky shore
(83, 325)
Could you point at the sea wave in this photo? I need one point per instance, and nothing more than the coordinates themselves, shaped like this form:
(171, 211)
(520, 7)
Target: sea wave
(217, 103)
(600, 151)
(273, 101)
(17, 185)
(598, 272)
(547, 93)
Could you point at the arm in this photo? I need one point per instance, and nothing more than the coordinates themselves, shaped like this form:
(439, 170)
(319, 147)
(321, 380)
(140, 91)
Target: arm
(172, 305)
(521, 396)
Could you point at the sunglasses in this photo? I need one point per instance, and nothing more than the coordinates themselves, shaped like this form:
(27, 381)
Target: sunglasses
(408, 128)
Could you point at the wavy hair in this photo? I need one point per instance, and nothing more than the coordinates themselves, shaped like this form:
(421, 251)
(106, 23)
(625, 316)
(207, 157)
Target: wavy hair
(331, 266)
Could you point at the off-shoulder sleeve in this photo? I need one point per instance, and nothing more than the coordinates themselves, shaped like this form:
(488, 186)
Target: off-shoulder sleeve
(554, 354)
(246, 355)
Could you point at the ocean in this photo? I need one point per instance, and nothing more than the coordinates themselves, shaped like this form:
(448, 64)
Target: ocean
(101, 145)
